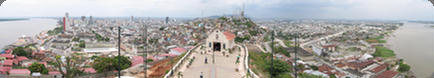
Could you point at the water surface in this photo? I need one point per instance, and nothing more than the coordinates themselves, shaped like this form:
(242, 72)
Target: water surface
(414, 42)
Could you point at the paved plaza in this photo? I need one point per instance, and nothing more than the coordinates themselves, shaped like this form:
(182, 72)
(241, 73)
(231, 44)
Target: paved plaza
(224, 66)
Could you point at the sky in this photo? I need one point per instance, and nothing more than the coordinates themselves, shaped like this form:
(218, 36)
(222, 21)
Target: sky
(296, 9)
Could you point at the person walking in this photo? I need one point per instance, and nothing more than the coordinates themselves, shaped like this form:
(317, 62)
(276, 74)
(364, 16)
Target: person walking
(206, 60)
(201, 74)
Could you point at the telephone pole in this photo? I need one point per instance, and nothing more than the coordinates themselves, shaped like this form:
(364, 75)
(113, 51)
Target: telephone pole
(295, 54)
(119, 52)
(145, 50)
(272, 54)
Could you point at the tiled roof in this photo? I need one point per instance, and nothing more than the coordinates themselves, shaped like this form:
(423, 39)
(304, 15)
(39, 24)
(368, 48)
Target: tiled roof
(19, 71)
(387, 74)
(360, 64)
(8, 62)
(136, 60)
(181, 50)
(54, 73)
(89, 70)
(379, 68)
(7, 55)
(229, 35)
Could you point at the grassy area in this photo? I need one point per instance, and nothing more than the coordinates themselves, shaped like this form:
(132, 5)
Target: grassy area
(260, 63)
(383, 52)
(288, 43)
(378, 39)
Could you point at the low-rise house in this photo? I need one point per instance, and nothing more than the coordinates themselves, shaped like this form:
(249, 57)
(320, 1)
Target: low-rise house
(4, 70)
(55, 74)
(387, 74)
(19, 72)
(379, 69)
(8, 63)
(177, 51)
(359, 65)
(136, 60)
(7, 56)
(89, 70)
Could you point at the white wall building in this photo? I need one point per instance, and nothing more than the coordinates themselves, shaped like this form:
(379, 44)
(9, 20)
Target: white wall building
(220, 41)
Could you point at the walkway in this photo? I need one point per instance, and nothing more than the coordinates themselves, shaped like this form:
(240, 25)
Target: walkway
(224, 67)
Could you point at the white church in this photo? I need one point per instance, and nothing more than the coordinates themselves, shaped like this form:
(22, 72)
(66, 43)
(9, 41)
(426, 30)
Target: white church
(220, 41)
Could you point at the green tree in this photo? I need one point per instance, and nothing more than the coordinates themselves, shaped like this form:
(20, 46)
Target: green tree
(278, 68)
(20, 51)
(314, 67)
(333, 76)
(82, 44)
(36, 67)
(403, 67)
(124, 61)
(76, 39)
(103, 64)
(71, 65)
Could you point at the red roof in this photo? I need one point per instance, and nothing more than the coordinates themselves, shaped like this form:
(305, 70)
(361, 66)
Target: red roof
(5, 69)
(89, 70)
(229, 35)
(8, 62)
(19, 71)
(379, 68)
(8, 51)
(163, 55)
(181, 50)
(136, 60)
(9, 56)
(360, 64)
(325, 69)
(387, 74)
(54, 73)
(21, 58)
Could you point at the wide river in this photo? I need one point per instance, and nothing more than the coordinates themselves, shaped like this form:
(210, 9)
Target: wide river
(10, 31)
(414, 42)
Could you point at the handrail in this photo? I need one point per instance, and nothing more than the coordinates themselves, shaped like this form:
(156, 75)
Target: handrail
(174, 68)
(246, 63)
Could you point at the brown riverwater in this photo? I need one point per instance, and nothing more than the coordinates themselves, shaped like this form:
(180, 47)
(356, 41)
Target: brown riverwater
(414, 42)
(11, 30)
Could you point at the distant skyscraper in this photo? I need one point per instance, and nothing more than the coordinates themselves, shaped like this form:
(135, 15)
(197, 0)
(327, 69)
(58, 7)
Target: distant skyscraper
(242, 10)
(132, 18)
(65, 21)
(83, 18)
(90, 20)
(167, 20)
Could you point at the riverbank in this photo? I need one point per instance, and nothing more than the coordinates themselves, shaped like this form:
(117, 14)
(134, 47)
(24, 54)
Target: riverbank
(413, 42)
(12, 30)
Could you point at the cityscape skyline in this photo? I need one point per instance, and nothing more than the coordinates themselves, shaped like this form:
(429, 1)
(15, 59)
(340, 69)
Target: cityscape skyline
(296, 9)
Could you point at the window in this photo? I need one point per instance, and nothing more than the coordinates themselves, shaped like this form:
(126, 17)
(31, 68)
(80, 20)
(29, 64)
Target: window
(209, 44)
(224, 46)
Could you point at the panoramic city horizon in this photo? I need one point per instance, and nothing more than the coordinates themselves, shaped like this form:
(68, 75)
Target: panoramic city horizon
(217, 39)
(297, 9)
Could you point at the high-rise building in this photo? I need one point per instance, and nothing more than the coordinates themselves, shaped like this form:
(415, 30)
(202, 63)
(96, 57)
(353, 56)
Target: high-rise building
(65, 21)
(90, 20)
(83, 18)
(167, 20)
